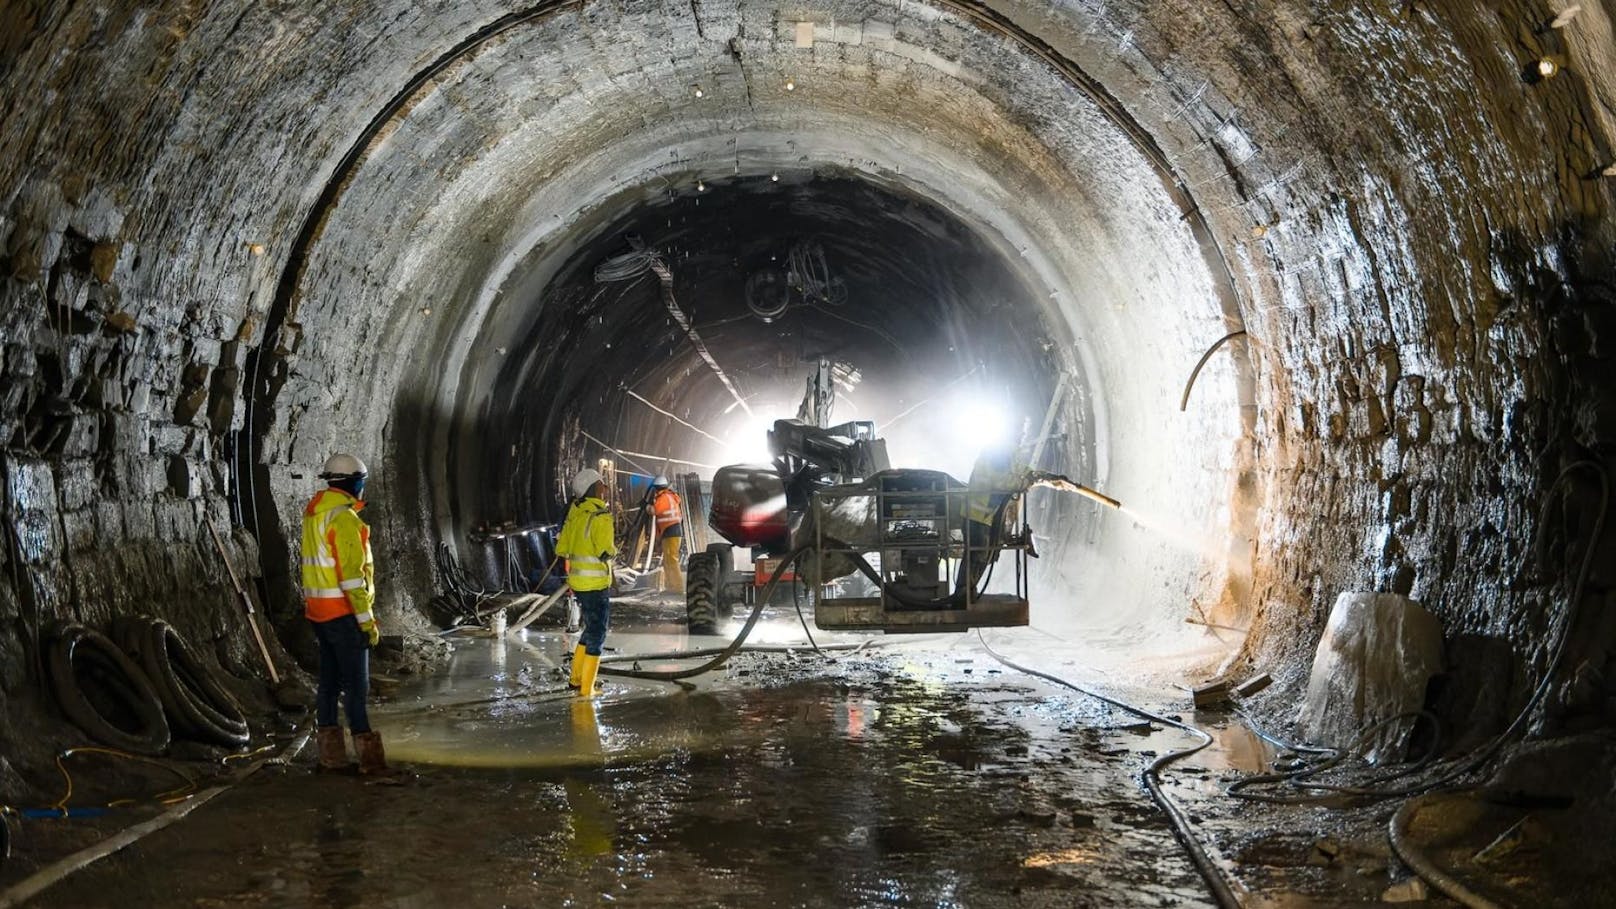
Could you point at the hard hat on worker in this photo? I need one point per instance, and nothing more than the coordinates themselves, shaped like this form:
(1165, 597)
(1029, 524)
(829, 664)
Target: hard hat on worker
(342, 467)
(583, 480)
(660, 483)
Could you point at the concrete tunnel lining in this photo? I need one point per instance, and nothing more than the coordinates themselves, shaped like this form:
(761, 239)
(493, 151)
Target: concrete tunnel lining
(1422, 235)
(1070, 250)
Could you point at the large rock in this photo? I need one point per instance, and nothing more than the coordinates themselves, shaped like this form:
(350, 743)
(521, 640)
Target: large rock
(1378, 653)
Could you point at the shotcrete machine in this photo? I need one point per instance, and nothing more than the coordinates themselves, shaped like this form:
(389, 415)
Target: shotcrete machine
(877, 548)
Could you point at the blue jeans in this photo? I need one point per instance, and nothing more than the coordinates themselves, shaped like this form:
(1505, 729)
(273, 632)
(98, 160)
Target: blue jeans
(344, 670)
(595, 606)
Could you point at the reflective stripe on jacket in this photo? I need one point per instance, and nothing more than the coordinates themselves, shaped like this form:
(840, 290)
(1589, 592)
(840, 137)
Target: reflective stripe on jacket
(339, 577)
(666, 508)
(588, 542)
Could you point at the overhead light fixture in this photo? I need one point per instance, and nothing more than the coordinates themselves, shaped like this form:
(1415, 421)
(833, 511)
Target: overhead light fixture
(791, 85)
(774, 177)
(701, 187)
(696, 90)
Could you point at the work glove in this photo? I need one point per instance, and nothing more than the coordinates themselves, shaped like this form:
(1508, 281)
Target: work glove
(373, 634)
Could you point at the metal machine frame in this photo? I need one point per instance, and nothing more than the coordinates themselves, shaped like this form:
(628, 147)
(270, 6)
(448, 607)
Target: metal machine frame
(923, 540)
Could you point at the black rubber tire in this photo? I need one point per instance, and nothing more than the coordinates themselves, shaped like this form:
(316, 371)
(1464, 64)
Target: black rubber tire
(79, 652)
(197, 706)
(725, 553)
(701, 593)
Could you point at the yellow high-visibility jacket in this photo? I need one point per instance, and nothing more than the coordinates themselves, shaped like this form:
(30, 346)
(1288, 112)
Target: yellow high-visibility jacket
(588, 542)
(339, 576)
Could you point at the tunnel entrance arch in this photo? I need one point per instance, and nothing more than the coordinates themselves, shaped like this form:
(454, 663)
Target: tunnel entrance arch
(267, 366)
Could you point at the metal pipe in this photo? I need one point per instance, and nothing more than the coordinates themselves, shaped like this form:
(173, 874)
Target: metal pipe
(1096, 495)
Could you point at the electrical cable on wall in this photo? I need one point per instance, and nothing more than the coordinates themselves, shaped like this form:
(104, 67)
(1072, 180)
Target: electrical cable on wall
(637, 262)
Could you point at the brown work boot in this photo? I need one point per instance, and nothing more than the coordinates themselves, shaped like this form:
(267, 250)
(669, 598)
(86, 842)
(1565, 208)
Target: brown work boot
(373, 760)
(333, 750)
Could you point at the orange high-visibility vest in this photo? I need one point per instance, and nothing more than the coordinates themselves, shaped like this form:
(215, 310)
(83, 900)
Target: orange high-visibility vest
(666, 508)
(339, 576)
(587, 543)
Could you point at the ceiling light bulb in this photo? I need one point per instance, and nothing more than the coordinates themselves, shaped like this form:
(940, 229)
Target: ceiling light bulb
(697, 90)
(701, 187)
(791, 85)
(774, 177)
(1547, 68)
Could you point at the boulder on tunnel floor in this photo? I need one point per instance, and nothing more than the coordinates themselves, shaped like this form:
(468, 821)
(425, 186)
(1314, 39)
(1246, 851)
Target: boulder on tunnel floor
(1378, 654)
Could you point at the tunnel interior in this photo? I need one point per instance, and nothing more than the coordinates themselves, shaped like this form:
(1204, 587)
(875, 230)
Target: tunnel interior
(244, 237)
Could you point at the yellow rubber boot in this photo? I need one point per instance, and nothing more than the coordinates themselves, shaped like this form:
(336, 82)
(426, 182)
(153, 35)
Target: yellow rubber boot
(577, 666)
(586, 677)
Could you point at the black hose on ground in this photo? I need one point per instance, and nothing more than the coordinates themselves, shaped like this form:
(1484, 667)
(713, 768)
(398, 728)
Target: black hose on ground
(1302, 778)
(711, 651)
(1397, 832)
(725, 653)
(1151, 777)
(797, 604)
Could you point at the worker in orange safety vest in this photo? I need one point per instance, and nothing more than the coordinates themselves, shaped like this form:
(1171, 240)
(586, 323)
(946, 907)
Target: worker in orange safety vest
(667, 510)
(339, 595)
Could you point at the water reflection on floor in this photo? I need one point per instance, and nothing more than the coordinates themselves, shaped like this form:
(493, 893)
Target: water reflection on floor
(920, 776)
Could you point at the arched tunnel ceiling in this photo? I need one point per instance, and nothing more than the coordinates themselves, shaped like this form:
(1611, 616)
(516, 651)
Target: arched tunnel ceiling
(1399, 220)
(546, 121)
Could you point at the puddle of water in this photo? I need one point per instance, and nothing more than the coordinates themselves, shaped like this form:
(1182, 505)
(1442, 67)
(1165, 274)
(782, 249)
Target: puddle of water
(876, 781)
(504, 703)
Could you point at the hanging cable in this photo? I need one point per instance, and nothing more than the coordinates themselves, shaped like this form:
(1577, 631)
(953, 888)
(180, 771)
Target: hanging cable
(642, 259)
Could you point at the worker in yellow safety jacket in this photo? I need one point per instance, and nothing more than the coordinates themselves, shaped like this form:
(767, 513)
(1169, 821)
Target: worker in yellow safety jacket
(588, 542)
(339, 595)
(667, 510)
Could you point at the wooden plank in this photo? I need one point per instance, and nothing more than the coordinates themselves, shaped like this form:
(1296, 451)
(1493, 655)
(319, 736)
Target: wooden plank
(1211, 693)
(1253, 685)
(695, 514)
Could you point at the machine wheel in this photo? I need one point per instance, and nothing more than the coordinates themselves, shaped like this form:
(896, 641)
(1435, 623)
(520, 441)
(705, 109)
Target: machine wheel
(725, 554)
(701, 593)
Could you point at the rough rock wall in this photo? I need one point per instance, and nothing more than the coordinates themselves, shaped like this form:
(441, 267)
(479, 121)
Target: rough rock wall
(146, 180)
(1425, 236)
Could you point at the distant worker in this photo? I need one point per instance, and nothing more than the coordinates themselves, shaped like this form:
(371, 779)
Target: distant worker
(995, 479)
(666, 507)
(339, 593)
(588, 542)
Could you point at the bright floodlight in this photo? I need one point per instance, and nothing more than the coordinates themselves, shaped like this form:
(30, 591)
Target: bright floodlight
(746, 440)
(980, 422)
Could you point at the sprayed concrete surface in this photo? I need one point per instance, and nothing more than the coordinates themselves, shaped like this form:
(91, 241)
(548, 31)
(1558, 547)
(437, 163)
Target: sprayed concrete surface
(922, 774)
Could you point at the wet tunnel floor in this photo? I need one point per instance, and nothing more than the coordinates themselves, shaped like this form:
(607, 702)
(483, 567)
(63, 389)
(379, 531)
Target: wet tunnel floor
(924, 775)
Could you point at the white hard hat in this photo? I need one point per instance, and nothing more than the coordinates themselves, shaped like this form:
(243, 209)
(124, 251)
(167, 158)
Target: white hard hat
(659, 482)
(582, 480)
(339, 466)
